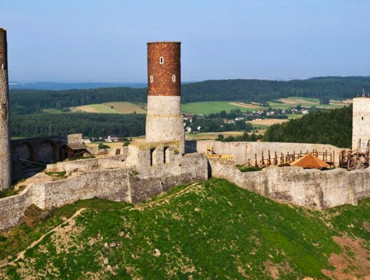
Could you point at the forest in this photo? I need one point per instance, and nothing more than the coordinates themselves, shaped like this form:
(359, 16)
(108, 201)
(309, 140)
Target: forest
(326, 127)
(24, 101)
(88, 124)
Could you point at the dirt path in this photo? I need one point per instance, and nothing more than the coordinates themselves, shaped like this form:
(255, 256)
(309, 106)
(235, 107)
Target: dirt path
(20, 255)
(146, 205)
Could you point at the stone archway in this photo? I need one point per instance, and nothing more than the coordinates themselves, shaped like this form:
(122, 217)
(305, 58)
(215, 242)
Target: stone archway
(46, 152)
(25, 151)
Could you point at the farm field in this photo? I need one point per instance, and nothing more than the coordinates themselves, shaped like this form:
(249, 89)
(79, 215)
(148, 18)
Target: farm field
(94, 108)
(111, 108)
(211, 135)
(209, 107)
(267, 122)
(291, 102)
(127, 107)
(205, 108)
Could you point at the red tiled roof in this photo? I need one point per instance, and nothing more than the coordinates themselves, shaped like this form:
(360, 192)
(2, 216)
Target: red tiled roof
(310, 161)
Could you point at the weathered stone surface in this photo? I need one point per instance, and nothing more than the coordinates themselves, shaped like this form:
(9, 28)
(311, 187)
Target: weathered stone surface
(244, 151)
(360, 123)
(5, 161)
(119, 184)
(309, 188)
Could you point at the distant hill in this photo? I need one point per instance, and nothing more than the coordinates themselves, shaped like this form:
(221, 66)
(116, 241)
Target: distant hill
(213, 90)
(208, 230)
(67, 86)
(331, 127)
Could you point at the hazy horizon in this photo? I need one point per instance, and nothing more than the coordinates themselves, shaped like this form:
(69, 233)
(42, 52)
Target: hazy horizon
(105, 42)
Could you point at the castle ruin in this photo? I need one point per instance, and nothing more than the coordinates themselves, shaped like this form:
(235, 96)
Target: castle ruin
(164, 119)
(151, 166)
(5, 161)
(361, 123)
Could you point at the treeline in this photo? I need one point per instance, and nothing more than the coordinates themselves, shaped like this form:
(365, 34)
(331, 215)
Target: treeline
(25, 101)
(326, 127)
(33, 101)
(88, 124)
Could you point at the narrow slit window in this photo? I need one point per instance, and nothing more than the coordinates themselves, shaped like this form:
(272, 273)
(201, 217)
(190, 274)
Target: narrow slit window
(174, 78)
(151, 79)
(362, 118)
(165, 155)
(161, 60)
(152, 154)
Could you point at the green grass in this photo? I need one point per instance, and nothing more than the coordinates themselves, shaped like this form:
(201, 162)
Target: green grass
(210, 231)
(248, 168)
(11, 191)
(127, 107)
(53, 111)
(209, 107)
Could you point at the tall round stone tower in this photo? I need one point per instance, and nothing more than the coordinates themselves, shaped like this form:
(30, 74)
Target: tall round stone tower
(5, 163)
(164, 120)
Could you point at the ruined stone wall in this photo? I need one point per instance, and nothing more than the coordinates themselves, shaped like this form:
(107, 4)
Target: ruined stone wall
(5, 161)
(153, 181)
(84, 165)
(118, 183)
(309, 188)
(360, 123)
(244, 151)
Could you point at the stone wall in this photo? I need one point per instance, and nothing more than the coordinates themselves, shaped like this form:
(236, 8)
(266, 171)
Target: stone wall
(361, 123)
(309, 188)
(84, 165)
(114, 183)
(244, 151)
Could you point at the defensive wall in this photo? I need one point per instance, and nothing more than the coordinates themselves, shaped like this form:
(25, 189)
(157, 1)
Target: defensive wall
(244, 151)
(89, 179)
(304, 187)
(43, 150)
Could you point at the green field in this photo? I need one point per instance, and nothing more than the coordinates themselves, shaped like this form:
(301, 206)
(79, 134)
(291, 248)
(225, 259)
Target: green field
(52, 111)
(127, 107)
(292, 102)
(211, 135)
(209, 230)
(205, 108)
(209, 107)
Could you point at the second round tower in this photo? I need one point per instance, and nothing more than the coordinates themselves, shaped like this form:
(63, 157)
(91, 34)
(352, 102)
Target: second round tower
(164, 120)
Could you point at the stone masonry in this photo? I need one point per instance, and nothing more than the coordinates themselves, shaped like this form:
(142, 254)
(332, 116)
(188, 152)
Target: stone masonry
(5, 161)
(164, 118)
(361, 123)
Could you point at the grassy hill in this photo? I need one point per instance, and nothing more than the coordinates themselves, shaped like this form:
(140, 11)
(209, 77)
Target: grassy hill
(209, 230)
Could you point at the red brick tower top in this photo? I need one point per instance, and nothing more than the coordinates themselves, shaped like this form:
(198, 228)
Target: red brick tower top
(164, 69)
(3, 50)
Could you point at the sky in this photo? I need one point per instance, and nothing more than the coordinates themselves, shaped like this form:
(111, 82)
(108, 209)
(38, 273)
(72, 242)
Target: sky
(105, 41)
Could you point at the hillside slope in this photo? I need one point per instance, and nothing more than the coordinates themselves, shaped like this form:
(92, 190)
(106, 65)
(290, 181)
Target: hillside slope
(210, 230)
